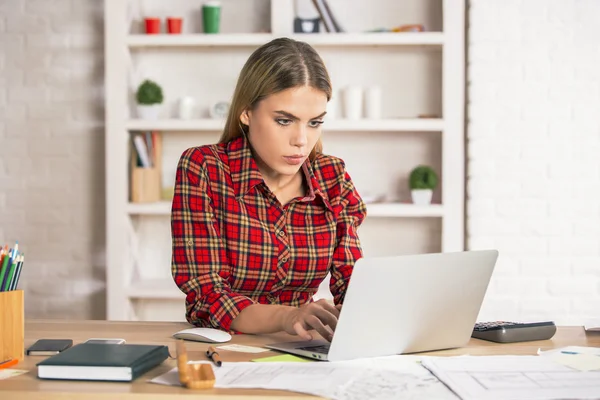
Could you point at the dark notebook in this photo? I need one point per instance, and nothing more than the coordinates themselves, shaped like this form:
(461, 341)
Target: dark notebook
(103, 362)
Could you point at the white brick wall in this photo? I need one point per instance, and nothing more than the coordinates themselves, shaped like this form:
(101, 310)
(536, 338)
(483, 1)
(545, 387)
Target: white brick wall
(534, 151)
(52, 152)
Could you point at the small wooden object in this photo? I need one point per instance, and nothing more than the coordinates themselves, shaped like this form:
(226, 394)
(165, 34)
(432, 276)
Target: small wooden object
(146, 186)
(193, 376)
(12, 325)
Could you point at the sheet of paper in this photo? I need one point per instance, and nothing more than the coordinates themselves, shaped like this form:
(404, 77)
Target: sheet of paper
(572, 350)
(592, 325)
(9, 373)
(400, 379)
(513, 378)
(576, 357)
(242, 349)
(282, 358)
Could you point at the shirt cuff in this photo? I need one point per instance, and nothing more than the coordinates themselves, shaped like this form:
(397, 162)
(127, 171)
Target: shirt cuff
(226, 308)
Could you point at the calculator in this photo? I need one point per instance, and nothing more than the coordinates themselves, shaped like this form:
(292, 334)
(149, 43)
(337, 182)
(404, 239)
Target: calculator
(510, 332)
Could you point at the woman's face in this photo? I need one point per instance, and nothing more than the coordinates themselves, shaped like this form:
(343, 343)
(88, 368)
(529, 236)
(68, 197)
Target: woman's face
(284, 128)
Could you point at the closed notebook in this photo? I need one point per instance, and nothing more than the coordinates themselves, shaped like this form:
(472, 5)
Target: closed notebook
(103, 362)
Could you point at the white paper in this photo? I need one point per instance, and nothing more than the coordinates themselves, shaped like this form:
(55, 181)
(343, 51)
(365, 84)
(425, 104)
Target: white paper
(242, 349)
(513, 378)
(592, 325)
(580, 358)
(389, 378)
(9, 373)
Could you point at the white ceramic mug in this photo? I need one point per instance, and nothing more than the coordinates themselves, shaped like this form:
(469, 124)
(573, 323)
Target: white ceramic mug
(373, 102)
(186, 107)
(353, 102)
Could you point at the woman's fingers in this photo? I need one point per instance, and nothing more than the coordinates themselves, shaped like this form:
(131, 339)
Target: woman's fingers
(314, 322)
(300, 331)
(331, 308)
(326, 317)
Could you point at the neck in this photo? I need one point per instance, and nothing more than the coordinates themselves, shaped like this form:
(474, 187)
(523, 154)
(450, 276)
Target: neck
(277, 182)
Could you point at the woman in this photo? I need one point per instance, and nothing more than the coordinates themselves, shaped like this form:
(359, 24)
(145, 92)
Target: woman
(259, 219)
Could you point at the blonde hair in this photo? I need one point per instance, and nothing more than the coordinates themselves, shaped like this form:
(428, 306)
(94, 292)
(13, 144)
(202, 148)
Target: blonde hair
(280, 64)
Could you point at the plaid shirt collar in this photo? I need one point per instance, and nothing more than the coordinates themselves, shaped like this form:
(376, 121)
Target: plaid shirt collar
(245, 174)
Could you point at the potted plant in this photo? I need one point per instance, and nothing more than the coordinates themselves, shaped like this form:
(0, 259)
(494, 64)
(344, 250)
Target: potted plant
(149, 98)
(423, 180)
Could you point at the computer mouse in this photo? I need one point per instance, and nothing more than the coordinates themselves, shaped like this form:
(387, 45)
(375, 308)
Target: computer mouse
(208, 335)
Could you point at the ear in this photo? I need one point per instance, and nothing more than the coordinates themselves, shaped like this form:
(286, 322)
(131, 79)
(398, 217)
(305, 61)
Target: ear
(245, 117)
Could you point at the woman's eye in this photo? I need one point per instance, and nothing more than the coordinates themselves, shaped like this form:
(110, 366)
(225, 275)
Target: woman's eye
(283, 122)
(315, 124)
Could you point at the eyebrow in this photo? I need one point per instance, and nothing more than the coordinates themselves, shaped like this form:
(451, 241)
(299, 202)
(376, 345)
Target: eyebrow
(292, 116)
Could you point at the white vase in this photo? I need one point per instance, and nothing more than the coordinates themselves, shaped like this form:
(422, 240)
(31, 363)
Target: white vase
(421, 197)
(186, 107)
(148, 111)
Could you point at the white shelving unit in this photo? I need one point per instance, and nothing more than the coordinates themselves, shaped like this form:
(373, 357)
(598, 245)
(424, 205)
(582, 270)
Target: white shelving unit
(256, 39)
(364, 125)
(421, 73)
(375, 210)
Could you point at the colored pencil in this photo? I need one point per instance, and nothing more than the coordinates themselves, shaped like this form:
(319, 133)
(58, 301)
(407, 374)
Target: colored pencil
(15, 281)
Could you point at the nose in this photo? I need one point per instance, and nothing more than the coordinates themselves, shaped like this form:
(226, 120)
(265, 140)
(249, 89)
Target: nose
(299, 137)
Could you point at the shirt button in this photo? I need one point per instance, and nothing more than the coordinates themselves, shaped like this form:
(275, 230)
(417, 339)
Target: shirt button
(284, 259)
(281, 233)
(190, 242)
(272, 299)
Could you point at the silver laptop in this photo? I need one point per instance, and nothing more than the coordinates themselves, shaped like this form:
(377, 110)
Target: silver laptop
(405, 304)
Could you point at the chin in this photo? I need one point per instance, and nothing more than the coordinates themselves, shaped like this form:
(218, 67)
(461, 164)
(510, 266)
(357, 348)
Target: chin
(289, 169)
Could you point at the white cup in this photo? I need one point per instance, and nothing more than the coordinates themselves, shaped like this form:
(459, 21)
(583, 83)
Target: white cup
(332, 108)
(353, 102)
(373, 102)
(186, 107)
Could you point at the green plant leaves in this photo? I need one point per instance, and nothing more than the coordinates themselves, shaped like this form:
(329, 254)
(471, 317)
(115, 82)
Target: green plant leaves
(149, 92)
(423, 177)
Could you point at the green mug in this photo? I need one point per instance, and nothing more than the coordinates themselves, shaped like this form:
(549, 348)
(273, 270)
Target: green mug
(211, 16)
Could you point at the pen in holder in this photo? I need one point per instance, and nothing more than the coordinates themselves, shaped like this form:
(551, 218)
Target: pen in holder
(12, 325)
(193, 376)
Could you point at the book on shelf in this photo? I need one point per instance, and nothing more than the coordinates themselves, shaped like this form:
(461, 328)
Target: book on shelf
(146, 167)
(329, 21)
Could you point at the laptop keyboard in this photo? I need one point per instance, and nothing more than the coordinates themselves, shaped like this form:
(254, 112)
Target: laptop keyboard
(324, 348)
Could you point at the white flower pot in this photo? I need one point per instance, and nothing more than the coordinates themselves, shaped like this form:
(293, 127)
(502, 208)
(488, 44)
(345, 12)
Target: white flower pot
(148, 111)
(421, 197)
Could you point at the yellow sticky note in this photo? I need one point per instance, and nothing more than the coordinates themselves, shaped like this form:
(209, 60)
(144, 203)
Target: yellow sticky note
(282, 358)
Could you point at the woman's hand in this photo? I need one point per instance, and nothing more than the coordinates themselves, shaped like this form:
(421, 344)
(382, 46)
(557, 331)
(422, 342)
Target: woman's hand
(319, 315)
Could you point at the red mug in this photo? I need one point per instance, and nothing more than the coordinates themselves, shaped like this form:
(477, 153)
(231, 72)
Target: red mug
(174, 24)
(152, 25)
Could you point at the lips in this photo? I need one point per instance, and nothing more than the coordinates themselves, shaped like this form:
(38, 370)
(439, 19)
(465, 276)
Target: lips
(294, 160)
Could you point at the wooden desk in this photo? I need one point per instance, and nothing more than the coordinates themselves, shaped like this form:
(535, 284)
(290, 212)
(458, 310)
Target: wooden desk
(28, 386)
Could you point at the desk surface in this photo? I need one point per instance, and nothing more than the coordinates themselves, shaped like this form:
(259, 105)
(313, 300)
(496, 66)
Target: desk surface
(29, 387)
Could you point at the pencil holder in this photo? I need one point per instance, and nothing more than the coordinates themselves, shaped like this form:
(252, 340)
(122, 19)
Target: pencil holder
(12, 325)
(145, 185)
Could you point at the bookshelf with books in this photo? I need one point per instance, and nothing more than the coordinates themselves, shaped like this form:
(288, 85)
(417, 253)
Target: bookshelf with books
(420, 79)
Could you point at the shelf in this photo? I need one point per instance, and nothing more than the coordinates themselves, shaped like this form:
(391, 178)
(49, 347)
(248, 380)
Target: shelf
(318, 39)
(380, 210)
(207, 124)
(158, 208)
(406, 210)
(365, 125)
(155, 289)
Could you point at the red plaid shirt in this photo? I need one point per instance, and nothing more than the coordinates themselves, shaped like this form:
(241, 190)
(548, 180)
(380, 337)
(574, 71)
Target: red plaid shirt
(235, 245)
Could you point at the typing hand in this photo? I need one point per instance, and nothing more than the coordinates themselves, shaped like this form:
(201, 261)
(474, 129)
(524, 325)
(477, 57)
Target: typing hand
(319, 315)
